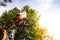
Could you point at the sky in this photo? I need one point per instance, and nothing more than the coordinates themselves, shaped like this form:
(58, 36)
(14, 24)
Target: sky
(48, 9)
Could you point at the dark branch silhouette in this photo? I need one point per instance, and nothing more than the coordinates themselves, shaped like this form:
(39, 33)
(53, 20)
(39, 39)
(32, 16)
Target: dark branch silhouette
(4, 1)
(2, 4)
(7, 0)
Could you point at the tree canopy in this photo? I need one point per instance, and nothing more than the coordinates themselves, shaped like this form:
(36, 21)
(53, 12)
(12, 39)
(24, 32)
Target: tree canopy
(34, 32)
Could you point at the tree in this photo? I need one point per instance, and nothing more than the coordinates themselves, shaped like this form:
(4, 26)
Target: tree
(8, 16)
(34, 32)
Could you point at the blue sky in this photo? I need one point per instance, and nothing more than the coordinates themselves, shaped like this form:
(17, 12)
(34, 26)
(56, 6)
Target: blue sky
(48, 9)
(57, 2)
(20, 3)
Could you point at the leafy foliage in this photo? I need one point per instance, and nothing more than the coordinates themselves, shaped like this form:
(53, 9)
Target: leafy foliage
(11, 14)
(26, 7)
(33, 32)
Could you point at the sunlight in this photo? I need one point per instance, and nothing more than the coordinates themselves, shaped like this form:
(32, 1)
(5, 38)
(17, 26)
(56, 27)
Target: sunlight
(50, 18)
